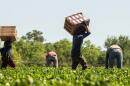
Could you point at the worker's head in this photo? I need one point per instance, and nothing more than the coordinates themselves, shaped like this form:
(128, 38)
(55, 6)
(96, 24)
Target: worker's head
(80, 30)
(8, 43)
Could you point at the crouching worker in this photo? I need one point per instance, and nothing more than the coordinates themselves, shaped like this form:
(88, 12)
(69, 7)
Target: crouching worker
(113, 53)
(78, 37)
(7, 55)
(51, 59)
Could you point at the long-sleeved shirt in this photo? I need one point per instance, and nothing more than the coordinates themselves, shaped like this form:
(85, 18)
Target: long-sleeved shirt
(77, 43)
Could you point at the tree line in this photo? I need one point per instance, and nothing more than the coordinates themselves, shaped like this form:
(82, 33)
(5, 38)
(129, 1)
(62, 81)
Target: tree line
(31, 49)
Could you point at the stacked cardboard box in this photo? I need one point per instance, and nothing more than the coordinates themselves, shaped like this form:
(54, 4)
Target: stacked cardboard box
(8, 33)
(74, 21)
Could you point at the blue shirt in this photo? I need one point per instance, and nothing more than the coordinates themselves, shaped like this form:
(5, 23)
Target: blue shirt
(77, 43)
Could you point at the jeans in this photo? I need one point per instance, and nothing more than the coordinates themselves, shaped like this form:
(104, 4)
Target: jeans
(115, 54)
(78, 60)
(9, 62)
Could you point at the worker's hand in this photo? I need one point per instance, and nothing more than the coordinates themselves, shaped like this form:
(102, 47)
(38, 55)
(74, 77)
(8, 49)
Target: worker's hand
(87, 29)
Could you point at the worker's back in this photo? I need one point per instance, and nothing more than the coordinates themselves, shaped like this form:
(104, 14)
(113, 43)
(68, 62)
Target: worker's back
(114, 52)
(51, 59)
(115, 46)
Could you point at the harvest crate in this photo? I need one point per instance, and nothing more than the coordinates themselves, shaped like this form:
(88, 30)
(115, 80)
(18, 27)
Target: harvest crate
(8, 33)
(74, 21)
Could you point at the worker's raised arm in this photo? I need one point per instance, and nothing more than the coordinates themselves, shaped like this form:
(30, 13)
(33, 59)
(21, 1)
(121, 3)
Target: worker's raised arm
(87, 32)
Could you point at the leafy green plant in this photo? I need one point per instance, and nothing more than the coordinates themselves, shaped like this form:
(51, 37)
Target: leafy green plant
(47, 76)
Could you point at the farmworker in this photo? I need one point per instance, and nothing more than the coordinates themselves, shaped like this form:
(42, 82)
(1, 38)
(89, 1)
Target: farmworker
(51, 59)
(114, 52)
(81, 33)
(7, 55)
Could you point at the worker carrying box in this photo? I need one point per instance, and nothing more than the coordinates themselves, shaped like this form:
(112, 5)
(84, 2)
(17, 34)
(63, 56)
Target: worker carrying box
(8, 35)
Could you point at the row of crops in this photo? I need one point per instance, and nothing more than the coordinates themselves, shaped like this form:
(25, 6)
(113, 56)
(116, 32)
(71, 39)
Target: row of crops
(45, 76)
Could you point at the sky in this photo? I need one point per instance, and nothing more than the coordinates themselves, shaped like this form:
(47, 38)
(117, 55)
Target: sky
(107, 17)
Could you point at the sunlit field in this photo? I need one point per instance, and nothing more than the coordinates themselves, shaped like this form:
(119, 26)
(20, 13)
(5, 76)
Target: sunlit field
(45, 76)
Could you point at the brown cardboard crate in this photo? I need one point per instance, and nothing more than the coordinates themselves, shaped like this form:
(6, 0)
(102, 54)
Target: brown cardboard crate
(8, 33)
(74, 21)
(70, 28)
(4, 38)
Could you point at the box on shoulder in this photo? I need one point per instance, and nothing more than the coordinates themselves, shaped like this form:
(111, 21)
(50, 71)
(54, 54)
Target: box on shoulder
(72, 22)
(8, 33)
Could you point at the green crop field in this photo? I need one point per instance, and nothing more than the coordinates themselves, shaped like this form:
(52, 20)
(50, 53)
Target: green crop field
(44, 76)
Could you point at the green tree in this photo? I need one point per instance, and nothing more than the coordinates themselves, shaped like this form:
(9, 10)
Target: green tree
(49, 47)
(35, 35)
(122, 41)
(31, 47)
(111, 40)
(91, 53)
(63, 49)
(30, 51)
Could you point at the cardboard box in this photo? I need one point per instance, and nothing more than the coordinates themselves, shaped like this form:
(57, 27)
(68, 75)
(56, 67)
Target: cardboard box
(74, 21)
(8, 33)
